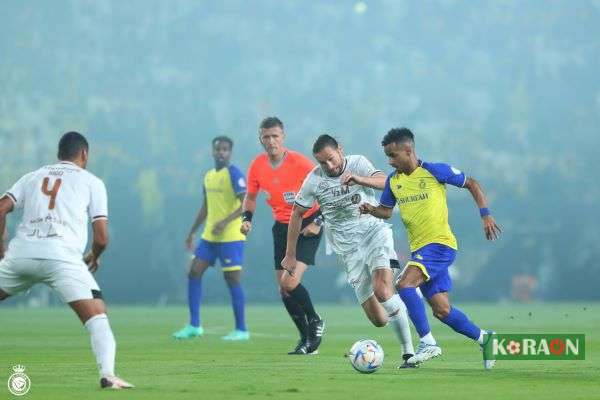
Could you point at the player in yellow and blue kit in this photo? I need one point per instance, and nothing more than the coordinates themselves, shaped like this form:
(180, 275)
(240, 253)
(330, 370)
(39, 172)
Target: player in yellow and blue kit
(224, 190)
(419, 190)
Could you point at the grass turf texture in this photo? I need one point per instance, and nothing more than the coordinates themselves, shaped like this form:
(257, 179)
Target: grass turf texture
(55, 349)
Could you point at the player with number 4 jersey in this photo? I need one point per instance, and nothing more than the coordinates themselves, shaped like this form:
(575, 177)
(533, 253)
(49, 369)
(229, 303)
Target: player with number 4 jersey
(57, 201)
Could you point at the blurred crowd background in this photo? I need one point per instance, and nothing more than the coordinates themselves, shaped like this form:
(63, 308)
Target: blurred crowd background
(507, 91)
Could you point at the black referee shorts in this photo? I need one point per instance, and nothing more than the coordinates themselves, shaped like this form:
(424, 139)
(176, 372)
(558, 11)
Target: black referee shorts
(305, 249)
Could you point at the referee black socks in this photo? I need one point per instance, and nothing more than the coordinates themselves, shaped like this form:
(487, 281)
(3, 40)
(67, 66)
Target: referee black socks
(301, 296)
(297, 314)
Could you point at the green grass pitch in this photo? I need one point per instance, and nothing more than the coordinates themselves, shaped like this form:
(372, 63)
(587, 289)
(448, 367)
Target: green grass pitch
(55, 349)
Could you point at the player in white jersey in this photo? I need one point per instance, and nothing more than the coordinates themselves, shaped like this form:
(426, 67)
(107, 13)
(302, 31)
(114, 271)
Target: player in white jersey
(57, 201)
(365, 244)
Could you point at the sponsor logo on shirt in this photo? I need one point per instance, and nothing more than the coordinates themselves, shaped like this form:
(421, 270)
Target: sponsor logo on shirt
(415, 197)
(341, 190)
(289, 197)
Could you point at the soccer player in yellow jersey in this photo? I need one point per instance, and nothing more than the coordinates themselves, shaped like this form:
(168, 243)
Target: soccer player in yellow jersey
(419, 190)
(224, 190)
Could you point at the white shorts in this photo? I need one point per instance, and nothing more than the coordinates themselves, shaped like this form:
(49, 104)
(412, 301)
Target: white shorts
(375, 252)
(70, 280)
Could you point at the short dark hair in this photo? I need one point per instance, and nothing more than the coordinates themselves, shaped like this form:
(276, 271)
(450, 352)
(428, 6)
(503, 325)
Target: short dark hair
(270, 122)
(223, 138)
(323, 141)
(70, 145)
(398, 135)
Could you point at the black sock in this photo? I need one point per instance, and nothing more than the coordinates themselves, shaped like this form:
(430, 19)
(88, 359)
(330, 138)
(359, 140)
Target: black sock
(301, 296)
(297, 315)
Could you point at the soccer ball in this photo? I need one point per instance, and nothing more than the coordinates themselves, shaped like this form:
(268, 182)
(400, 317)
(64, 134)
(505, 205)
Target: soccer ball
(366, 356)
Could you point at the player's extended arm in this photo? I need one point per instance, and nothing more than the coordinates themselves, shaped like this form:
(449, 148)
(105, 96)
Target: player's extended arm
(99, 244)
(289, 262)
(248, 208)
(375, 181)
(6, 206)
(491, 229)
(379, 211)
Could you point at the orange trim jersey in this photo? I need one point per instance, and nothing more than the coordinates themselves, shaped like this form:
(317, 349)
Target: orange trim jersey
(281, 183)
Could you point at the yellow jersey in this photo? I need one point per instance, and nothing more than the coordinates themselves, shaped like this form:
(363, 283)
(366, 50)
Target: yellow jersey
(421, 198)
(222, 188)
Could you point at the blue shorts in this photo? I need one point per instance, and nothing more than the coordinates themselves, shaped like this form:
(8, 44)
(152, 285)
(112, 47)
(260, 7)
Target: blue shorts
(434, 260)
(230, 254)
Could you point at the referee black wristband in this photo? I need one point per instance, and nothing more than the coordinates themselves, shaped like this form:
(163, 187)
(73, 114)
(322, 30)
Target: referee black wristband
(247, 216)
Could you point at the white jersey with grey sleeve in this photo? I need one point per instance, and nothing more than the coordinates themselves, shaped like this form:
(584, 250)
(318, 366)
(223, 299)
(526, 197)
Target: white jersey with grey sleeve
(57, 202)
(346, 227)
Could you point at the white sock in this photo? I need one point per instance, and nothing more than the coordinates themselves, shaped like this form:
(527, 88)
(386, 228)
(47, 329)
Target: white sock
(429, 339)
(481, 333)
(103, 344)
(398, 319)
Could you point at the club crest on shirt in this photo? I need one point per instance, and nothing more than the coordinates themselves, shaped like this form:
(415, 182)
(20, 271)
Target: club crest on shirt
(422, 184)
(355, 199)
